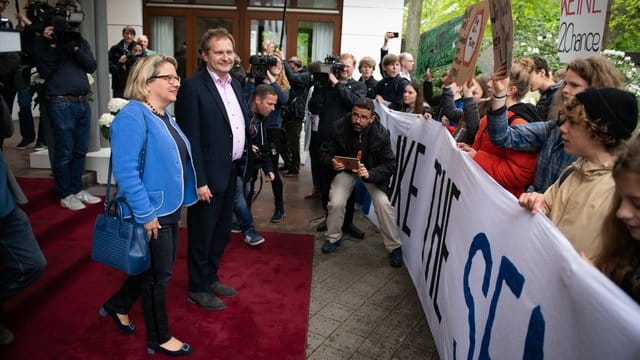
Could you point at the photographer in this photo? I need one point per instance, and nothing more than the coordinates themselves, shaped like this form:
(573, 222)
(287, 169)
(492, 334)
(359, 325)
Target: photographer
(334, 95)
(9, 63)
(268, 70)
(117, 61)
(262, 103)
(293, 113)
(64, 59)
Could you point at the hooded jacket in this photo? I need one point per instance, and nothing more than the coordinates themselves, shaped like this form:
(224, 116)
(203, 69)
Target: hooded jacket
(374, 142)
(514, 170)
(579, 202)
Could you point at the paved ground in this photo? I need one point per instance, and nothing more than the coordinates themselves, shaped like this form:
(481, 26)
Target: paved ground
(361, 308)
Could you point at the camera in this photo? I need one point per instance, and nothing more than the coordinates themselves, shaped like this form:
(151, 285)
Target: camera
(321, 71)
(64, 15)
(260, 64)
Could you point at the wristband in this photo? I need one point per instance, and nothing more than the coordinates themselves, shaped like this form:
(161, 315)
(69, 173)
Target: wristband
(500, 97)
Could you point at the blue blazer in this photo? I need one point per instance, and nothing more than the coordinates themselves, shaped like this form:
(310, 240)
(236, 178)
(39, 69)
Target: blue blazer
(163, 189)
(202, 116)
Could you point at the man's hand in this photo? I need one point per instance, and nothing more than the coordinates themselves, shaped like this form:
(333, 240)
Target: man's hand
(122, 59)
(427, 75)
(270, 176)
(48, 34)
(204, 194)
(388, 36)
(362, 172)
(333, 79)
(532, 201)
(255, 149)
(337, 165)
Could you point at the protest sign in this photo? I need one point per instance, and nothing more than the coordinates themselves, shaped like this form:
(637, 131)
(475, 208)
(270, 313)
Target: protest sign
(469, 41)
(582, 24)
(502, 29)
(437, 46)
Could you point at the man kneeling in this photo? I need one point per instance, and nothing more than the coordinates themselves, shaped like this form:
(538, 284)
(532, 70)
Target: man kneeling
(359, 135)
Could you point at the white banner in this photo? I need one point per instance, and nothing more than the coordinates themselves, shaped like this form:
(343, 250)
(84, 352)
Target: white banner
(494, 280)
(581, 28)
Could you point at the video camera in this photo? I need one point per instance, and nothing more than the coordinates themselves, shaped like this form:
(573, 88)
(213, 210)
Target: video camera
(260, 64)
(321, 71)
(64, 15)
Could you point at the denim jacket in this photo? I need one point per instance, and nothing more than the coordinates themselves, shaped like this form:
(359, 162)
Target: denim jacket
(542, 137)
(165, 186)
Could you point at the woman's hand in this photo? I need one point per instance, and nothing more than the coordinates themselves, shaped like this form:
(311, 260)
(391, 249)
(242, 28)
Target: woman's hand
(152, 229)
(468, 88)
(444, 121)
(467, 149)
(204, 194)
(500, 87)
(427, 116)
(532, 201)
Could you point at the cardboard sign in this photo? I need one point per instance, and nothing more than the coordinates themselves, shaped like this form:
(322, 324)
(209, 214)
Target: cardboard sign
(581, 28)
(502, 28)
(468, 46)
(437, 46)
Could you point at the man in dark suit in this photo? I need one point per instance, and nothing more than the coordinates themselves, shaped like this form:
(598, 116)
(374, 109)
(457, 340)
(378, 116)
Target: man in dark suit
(211, 111)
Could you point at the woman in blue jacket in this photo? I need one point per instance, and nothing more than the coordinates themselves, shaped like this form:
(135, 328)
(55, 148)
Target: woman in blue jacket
(155, 193)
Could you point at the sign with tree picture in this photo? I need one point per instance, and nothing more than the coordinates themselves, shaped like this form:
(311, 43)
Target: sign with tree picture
(437, 46)
(469, 41)
(502, 28)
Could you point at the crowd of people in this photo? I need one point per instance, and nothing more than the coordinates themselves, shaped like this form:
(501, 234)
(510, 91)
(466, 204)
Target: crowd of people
(568, 156)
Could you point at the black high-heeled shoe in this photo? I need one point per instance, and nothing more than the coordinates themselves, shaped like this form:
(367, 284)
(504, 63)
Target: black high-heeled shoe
(186, 349)
(125, 329)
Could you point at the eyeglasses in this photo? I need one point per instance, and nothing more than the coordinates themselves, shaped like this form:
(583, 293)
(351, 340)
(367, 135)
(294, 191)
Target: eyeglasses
(171, 79)
(357, 116)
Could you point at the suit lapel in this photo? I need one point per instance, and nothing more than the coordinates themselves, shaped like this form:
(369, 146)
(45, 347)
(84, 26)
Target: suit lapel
(211, 87)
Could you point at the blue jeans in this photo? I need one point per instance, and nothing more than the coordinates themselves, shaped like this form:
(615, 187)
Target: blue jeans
(70, 121)
(240, 207)
(20, 255)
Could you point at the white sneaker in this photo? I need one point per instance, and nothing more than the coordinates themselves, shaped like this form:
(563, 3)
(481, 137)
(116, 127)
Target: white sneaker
(87, 198)
(71, 202)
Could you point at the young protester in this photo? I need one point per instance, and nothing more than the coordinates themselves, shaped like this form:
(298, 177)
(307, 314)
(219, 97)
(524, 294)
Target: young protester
(619, 256)
(594, 122)
(512, 169)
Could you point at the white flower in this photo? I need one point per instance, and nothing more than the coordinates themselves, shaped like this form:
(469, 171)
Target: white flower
(523, 44)
(549, 36)
(116, 104)
(536, 51)
(540, 38)
(607, 52)
(106, 119)
(529, 49)
(627, 58)
(90, 78)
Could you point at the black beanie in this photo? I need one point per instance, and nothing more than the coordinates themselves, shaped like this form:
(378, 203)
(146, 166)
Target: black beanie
(615, 108)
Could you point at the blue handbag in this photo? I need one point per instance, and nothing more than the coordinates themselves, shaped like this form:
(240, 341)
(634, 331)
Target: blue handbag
(119, 242)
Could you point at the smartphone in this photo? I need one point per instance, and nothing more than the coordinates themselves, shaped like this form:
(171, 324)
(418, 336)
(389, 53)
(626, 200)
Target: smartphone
(395, 34)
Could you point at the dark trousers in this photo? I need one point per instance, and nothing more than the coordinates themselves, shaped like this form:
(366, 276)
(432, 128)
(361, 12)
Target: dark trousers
(291, 156)
(25, 116)
(21, 258)
(8, 93)
(151, 286)
(209, 228)
(322, 178)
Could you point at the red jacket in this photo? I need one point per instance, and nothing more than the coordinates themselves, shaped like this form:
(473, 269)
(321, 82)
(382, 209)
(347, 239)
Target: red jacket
(514, 170)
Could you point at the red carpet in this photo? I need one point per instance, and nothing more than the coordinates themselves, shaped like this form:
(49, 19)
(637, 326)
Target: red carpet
(56, 317)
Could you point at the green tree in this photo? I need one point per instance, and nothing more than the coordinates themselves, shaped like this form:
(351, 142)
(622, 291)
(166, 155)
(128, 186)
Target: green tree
(624, 25)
